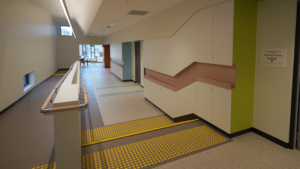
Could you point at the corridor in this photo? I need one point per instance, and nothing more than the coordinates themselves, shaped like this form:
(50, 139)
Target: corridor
(27, 139)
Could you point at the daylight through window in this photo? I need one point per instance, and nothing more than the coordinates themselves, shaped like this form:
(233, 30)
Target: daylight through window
(66, 31)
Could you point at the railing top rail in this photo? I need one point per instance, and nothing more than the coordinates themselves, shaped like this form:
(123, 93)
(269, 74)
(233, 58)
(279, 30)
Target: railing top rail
(83, 106)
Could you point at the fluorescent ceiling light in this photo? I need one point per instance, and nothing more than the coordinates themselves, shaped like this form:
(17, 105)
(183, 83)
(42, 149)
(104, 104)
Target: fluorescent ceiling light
(64, 6)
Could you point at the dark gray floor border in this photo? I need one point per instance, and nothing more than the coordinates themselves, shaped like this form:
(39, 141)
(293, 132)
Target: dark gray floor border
(252, 129)
(10, 106)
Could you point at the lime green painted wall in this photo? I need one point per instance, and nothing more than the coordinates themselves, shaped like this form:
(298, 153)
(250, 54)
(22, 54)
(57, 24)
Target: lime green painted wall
(244, 53)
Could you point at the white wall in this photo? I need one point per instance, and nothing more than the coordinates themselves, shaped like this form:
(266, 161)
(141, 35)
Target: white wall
(116, 51)
(163, 24)
(116, 70)
(67, 47)
(27, 43)
(273, 86)
(173, 54)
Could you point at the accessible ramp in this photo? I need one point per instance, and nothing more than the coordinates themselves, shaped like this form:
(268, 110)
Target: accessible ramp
(116, 131)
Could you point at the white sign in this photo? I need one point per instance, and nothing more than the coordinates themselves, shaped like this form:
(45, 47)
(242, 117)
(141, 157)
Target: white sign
(273, 57)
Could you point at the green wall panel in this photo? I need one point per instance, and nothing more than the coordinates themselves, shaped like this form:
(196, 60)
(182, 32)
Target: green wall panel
(244, 52)
(126, 56)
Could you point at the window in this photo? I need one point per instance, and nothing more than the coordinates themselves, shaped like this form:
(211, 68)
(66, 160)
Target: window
(66, 31)
(84, 53)
(26, 80)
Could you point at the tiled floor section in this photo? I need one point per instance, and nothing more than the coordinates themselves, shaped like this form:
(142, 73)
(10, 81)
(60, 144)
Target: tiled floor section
(91, 118)
(124, 108)
(126, 101)
(115, 90)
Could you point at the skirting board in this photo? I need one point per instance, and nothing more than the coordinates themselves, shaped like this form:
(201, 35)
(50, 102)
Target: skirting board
(232, 135)
(10, 106)
(271, 138)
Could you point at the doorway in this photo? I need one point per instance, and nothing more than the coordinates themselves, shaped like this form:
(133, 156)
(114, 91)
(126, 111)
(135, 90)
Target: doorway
(137, 62)
(92, 53)
(106, 54)
(294, 138)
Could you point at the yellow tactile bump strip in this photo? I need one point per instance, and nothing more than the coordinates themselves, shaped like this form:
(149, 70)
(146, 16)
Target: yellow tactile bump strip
(127, 128)
(47, 166)
(152, 151)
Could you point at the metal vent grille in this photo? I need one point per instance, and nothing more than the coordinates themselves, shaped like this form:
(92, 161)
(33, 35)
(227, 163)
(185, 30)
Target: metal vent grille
(135, 12)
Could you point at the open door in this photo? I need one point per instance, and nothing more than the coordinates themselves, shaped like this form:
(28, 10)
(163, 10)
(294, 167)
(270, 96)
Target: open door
(106, 53)
(137, 62)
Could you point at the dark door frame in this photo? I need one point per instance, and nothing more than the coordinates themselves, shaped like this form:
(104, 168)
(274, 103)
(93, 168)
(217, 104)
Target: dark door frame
(137, 52)
(295, 86)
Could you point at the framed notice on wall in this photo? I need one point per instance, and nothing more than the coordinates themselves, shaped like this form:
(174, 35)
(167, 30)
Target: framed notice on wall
(273, 57)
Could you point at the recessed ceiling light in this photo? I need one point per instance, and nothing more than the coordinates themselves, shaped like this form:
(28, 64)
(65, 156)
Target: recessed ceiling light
(112, 24)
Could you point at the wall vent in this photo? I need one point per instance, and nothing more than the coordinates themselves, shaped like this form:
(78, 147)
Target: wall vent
(135, 12)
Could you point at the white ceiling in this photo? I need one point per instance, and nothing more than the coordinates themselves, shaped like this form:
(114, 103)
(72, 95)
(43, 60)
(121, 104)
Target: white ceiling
(54, 8)
(110, 12)
(115, 12)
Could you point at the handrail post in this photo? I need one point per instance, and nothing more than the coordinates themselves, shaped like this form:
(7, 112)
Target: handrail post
(67, 118)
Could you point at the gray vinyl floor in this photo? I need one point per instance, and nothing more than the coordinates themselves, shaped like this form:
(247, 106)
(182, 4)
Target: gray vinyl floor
(26, 137)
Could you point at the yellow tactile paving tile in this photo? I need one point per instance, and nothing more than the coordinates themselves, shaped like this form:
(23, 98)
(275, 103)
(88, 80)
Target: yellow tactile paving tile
(152, 151)
(148, 152)
(112, 131)
(47, 166)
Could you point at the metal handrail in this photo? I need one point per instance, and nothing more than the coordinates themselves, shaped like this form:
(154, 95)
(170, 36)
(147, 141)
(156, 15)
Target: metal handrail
(50, 111)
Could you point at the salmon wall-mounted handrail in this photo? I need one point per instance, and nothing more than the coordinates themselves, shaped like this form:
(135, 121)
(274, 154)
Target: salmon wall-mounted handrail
(83, 106)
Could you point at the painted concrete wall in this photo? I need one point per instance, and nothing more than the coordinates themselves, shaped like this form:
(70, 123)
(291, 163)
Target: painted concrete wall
(273, 85)
(27, 43)
(67, 47)
(116, 70)
(126, 55)
(116, 51)
(171, 55)
(163, 24)
(244, 39)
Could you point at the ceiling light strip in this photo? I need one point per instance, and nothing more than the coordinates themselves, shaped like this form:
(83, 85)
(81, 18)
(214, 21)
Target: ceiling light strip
(64, 6)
